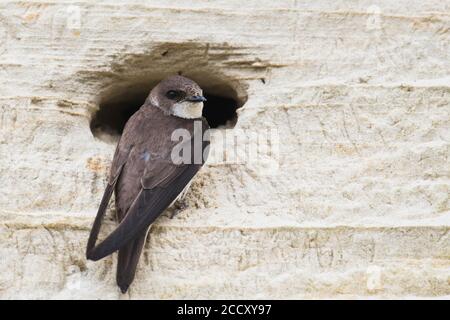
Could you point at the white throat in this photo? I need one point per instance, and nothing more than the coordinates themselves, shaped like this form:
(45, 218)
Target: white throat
(187, 109)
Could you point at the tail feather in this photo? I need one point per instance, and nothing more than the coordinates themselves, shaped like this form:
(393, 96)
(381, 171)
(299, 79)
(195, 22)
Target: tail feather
(127, 261)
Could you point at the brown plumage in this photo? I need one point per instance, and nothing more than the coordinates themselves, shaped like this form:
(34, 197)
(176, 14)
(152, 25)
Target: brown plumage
(143, 175)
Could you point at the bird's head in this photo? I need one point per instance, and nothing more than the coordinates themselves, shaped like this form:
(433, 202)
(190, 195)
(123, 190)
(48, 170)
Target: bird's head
(178, 96)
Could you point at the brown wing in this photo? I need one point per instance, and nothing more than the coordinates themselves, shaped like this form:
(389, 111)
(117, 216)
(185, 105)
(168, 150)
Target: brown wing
(161, 183)
(130, 252)
(120, 158)
(147, 206)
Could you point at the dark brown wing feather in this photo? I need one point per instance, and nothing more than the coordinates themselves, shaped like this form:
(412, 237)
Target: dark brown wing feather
(157, 173)
(147, 206)
(98, 220)
(100, 214)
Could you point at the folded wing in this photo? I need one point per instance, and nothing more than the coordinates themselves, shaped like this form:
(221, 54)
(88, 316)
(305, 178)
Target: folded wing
(151, 201)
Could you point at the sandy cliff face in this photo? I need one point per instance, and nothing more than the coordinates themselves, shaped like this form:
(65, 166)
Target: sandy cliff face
(353, 203)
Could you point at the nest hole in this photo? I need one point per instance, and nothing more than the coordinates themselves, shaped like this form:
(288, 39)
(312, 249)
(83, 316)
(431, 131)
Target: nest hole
(121, 102)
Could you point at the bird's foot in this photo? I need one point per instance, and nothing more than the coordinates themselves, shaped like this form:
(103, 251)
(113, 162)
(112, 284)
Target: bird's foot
(179, 206)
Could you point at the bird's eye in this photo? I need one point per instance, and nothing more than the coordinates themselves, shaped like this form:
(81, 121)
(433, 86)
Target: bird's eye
(172, 94)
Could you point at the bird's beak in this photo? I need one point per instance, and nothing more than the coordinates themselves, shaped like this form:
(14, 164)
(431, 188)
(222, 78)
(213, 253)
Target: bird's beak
(196, 99)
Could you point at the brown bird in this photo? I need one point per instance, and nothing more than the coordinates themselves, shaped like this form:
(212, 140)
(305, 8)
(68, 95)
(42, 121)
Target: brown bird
(147, 173)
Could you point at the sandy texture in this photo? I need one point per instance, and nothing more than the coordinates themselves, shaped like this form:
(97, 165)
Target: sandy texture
(357, 204)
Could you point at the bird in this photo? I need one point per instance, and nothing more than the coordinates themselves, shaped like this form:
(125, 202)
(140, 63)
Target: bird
(146, 175)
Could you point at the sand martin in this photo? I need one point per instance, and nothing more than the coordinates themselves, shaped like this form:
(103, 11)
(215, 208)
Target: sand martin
(145, 176)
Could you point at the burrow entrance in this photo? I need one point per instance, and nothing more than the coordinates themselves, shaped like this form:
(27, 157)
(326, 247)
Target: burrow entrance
(125, 92)
(110, 119)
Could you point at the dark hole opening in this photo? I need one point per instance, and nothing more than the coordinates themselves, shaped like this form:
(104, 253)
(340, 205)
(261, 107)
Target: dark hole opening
(109, 121)
(112, 116)
(220, 111)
